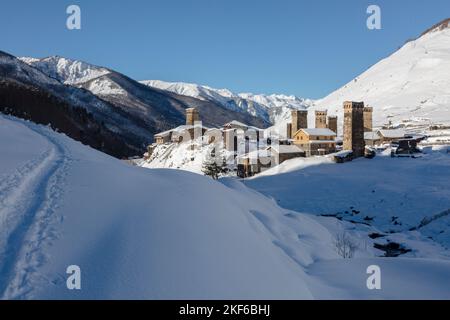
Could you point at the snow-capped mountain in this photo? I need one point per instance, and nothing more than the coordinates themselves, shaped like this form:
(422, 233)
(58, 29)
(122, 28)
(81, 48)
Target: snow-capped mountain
(66, 70)
(129, 94)
(410, 86)
(272, 108)
(130, 111)
(31, 94)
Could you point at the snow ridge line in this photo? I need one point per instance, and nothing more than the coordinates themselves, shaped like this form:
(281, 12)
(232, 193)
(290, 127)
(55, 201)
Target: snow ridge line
(21, 249)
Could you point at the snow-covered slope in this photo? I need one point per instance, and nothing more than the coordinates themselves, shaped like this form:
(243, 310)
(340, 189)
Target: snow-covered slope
(28, 92)
(273, 108)
(64, 204)
(168, 234)
(65, 70)
(156, 110)
(386, 195)
(411, 85)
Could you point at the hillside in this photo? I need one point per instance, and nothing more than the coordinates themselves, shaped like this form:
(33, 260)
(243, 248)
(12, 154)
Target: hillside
(272, 108)
(31, 94)
(65, 204)
(410, 87)
(156, 110)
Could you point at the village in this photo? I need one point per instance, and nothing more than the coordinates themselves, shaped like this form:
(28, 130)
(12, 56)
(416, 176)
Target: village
(252, 150)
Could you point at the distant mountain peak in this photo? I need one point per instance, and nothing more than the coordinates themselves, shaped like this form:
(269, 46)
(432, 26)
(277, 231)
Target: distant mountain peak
(408, 88)
(66, 70)
(272, 108)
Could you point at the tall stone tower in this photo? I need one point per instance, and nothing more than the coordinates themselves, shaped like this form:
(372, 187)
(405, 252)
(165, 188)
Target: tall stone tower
(354, 127)
(332, 123)
(192, 116)
(299, 120)
(321, 119)
(368, 122)
(289, 131)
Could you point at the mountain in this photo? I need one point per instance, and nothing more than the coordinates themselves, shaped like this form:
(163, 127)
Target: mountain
(272, 108)
(156, 109)
(98, 106)
(28, 93)
(410, 87)
(67, 71)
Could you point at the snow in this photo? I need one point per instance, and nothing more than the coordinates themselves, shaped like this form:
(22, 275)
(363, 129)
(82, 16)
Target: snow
(371, 136)
(170, 234)
(409, 279)
(105, 87)
(121, 226)
(382, 188)
(392, 133)
(273, 108)
(319, 132)
(410, 84)
(68, 71)
(179, 156)
(23, 71)
(150, 233)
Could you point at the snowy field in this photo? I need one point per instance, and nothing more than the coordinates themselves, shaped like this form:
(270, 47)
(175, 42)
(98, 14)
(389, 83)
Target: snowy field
(384, 195)
(155, 234)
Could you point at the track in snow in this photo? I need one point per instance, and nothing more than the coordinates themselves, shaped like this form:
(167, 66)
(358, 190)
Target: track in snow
(28, 201)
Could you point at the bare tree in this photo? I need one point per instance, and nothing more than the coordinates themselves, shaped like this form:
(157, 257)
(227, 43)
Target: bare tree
(345, 245)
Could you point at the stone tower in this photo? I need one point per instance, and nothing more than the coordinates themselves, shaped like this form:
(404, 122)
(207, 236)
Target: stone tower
(354, 127)
(332, 123)
(368, 122)
(321, 119)
(299, 120)
(289, 131)
(192, 116)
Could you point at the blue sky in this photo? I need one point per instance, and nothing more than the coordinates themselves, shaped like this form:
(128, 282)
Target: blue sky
(303, 47)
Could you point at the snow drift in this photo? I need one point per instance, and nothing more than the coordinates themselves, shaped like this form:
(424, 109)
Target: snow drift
(135, 233)
(168, 234)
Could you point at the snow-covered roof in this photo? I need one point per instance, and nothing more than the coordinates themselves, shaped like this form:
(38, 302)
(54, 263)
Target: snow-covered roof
(179, 129)
(321, 141)
(235, 123)
(319, 132)
(371, 136)
(164, 133)
(262, 153)
(392, 133)
(343, 153)
(287, 149)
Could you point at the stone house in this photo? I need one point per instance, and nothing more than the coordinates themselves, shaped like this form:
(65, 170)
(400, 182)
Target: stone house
(259, 160)
(184, 132)
(315, 142)
(389, 135)
(372, 138)
(163, 137)
(239, 136)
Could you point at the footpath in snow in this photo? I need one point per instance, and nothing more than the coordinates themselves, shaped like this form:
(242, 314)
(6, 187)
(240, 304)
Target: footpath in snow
(170, 234)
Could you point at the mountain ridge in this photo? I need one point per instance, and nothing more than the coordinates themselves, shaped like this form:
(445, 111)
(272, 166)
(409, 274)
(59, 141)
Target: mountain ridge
(98, 106)
(407, 88)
